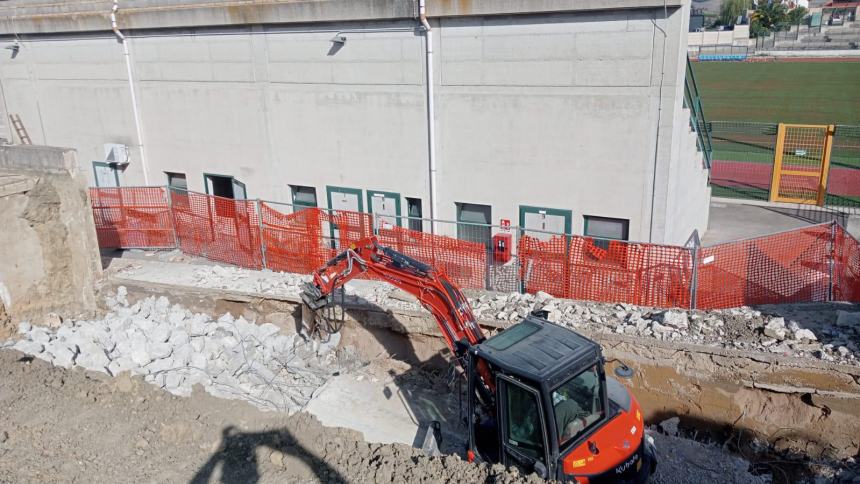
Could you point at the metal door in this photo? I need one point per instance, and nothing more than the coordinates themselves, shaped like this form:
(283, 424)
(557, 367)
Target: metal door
(385, 207)
(239, 190)
(801, 163)
(344, 200)
(543, 222)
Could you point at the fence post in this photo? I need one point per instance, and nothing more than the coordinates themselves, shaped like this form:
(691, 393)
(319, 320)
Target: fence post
(694, 278)
(694, 243)
(566, 286)
(523, 272)
(488, 251)
(259, 207)
(169, 196)
(832, 261)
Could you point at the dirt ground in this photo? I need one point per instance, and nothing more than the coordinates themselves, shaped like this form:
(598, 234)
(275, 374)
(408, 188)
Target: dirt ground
(60, 425)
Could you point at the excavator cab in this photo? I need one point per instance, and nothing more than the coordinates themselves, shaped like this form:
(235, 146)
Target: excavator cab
(556, 413)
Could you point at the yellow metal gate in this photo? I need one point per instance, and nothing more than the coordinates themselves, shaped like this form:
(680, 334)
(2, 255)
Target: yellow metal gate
(801, 163)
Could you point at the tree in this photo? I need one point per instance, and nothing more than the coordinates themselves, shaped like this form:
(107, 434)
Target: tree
(730, 10)
(796, 15)
(768, 18)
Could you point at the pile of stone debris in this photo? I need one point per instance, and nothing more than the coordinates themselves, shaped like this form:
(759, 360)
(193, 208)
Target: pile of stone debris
(820, 331)
(175, 349)
(742, 328)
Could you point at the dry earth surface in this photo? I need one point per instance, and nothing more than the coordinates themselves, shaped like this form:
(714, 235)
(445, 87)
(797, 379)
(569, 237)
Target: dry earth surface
(59, 425)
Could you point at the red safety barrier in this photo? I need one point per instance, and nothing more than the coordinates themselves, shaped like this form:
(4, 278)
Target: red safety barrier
(811, 264)
(218, 228)
(348, 227)
(294, 242)
(607, 271)
(132, 217)
(464, 262)
(543, 265)
(782, 268)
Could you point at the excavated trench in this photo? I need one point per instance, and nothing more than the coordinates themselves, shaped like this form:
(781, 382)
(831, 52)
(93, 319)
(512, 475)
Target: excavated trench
(799, 406)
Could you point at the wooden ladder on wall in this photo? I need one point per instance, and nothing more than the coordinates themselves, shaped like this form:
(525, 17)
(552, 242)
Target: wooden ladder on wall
(20, 130)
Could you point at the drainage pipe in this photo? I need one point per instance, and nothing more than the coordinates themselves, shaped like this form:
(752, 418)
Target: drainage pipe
(135, 111)
(431, 111)
(659, 128)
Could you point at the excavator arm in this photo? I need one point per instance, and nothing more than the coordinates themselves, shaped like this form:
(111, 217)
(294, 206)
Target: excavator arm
(432, 288)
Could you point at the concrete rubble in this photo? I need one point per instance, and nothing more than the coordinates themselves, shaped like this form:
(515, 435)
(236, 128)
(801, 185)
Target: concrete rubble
(175, 349)
(815, 331)
(742, 328)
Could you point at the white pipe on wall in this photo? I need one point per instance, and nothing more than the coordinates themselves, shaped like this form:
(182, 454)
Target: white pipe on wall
(135, 111)
(431, 111)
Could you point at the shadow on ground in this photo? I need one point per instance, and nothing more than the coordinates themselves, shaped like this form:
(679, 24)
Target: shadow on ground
(236, 460)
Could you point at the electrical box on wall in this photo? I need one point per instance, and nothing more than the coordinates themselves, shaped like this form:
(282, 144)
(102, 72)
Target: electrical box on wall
(116, 153)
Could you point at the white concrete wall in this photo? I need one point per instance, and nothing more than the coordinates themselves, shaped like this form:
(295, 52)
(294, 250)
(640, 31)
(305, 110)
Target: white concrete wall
(555, 110)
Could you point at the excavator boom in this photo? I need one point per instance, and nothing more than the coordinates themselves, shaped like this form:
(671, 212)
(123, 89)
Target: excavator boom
(431, 287)
(433, 290)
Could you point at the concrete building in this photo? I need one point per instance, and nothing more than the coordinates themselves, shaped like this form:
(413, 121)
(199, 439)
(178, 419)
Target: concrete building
(557, 114)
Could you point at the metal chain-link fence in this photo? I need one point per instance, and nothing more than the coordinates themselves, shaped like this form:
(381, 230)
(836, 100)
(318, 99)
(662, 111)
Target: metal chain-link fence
(743, 156)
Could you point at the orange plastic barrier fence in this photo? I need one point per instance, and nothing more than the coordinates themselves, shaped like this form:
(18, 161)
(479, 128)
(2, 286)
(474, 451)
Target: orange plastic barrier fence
(782, 268)
(218, 228)
(811, 264)
(348, 227)
(464, 262)
(846, 267)
(132, 217)
(543, 265)
(607, 271)
(294, 242)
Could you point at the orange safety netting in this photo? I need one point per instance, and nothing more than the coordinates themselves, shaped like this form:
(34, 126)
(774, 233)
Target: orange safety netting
(543, 265)
(781, 268)
(218, 228)
(347, 227)
(846, 267)
(132, 217)
(810, 264)
(607, 271)
(464, 262)
(294, 242)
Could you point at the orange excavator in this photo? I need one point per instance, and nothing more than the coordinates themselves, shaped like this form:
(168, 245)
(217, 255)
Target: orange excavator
(538, 396)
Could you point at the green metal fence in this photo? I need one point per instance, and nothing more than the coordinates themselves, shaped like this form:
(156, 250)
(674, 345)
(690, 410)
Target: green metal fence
(693, 102)
(743, 154)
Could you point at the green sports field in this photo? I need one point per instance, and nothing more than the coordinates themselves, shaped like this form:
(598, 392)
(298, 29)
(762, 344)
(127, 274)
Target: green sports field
(787, 92)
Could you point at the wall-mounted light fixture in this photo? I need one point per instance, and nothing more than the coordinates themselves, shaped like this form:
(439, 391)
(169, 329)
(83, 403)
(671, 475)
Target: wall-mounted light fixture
(15, 47)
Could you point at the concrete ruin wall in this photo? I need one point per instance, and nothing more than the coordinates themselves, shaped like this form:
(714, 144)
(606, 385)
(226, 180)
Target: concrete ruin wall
(50, 256)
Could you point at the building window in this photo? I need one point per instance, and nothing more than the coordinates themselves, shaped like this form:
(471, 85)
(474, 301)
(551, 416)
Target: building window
(606, 228)
(176, 180)
(303, 197)
(414, 212)
(225, 187)
(474, 223)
